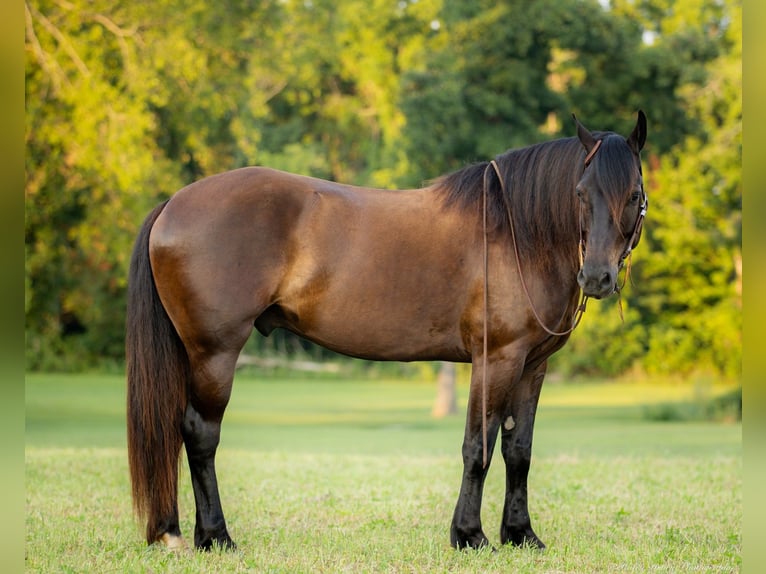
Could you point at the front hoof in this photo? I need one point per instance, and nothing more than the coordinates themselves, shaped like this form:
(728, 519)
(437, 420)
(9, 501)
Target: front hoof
(521, 537)
(462, 540)
(222, 542)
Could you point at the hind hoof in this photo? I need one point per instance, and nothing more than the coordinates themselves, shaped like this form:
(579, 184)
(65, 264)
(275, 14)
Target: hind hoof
(173, 542)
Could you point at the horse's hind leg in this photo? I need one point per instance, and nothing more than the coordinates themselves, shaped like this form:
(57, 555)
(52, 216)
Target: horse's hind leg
(212, 379)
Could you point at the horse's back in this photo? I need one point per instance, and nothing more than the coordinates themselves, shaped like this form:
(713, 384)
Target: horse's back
(373, 273)
(254, 221)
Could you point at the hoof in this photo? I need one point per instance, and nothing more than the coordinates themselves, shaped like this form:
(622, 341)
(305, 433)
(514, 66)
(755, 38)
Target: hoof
(464, 540)
(173, 542)
(223, 542)
(522, 537)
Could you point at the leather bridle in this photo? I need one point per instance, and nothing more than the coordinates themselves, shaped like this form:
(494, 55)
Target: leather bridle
(636, 235)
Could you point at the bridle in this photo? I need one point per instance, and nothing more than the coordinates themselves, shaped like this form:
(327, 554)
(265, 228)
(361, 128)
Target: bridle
(583, 299)
(636, 235)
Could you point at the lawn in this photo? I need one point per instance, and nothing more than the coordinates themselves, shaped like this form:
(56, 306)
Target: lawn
(324, 475)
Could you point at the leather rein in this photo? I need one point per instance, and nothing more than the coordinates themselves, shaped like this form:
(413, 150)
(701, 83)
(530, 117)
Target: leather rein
(583, 299)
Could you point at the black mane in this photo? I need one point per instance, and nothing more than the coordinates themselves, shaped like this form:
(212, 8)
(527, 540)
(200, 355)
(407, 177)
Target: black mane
(540, 184)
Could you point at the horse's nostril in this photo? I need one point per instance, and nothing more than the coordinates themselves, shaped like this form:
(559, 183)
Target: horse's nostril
(596, 283)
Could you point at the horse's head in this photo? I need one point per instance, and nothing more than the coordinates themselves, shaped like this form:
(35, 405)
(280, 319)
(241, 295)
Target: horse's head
(612, 205)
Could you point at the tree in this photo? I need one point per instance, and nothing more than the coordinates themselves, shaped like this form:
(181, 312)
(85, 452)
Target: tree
(127, 102)
(446, 391)
(693, 272)
(683, 304)
(89, 159)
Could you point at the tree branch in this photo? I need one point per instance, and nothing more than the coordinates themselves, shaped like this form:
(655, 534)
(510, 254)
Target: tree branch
(60, 38)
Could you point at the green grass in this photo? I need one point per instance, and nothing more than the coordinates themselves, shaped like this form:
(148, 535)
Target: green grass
(355, 476)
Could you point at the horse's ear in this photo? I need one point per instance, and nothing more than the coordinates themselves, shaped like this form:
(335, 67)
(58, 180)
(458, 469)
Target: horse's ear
(637, 138)
(586, 138)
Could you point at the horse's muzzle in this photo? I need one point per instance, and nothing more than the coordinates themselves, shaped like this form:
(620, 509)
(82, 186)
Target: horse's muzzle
(597, 281)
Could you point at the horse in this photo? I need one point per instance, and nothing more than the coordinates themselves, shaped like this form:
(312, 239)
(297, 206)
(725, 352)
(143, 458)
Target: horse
(490, 264)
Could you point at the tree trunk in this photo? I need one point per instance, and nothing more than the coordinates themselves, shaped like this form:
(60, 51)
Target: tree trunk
(446, 396)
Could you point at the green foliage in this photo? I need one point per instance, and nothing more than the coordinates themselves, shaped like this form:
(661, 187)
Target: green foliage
(90, 162)
(127, 102)
(606, 342)
(691, 271)
(684, 300)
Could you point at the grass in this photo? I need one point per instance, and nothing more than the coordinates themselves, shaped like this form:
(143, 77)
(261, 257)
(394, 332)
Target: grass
(354, 476)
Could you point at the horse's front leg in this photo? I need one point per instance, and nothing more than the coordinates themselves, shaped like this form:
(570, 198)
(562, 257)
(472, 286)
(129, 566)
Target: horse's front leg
(516, 446)
(466, 530)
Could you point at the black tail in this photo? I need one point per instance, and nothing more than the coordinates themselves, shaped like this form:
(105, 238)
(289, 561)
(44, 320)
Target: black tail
(158, 373)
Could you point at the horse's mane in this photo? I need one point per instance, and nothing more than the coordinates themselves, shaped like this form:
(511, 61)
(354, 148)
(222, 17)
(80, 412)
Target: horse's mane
(540, 183)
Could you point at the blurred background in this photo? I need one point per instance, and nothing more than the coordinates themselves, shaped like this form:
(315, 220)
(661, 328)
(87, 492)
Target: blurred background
(126, 102)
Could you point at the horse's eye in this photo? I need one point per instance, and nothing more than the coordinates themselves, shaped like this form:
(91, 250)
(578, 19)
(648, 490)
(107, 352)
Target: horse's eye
(635, 197)
(579, 192)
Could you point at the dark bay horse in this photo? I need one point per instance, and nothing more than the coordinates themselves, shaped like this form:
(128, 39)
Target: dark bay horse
(485, 265)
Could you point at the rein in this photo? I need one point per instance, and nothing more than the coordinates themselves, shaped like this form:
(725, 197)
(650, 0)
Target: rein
(575, 319)
(583, 298)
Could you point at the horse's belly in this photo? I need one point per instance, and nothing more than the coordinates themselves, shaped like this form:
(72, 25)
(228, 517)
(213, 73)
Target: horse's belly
(373, 328)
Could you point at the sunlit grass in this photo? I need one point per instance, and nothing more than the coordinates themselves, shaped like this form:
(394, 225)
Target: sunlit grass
(326, 476)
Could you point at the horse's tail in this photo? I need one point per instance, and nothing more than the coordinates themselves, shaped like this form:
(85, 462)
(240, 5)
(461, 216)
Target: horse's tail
(157, 371)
